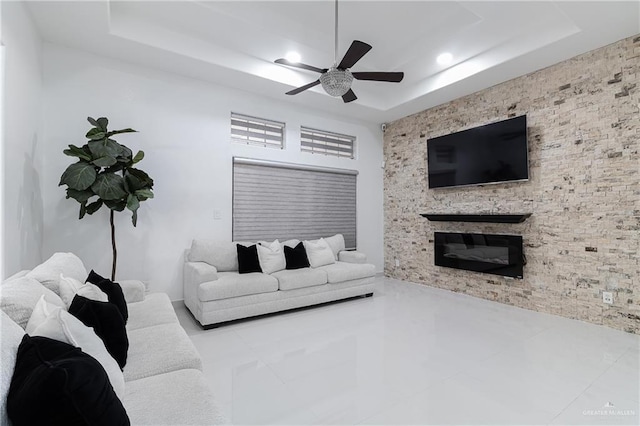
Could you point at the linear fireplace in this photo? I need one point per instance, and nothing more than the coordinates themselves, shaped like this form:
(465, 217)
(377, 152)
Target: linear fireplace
(488, 253)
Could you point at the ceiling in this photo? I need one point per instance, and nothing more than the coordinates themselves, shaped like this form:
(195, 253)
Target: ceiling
(234, 43)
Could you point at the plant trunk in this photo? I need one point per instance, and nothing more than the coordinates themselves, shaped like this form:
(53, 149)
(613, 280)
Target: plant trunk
(113, 247)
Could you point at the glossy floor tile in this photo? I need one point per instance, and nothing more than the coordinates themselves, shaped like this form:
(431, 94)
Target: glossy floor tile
(415, 355)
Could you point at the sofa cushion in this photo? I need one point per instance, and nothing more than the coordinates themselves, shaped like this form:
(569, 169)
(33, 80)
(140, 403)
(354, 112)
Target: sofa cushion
(155, 309)
(222, 255)
(176, 398)
(12, 335)
(248, 260)
(107, 323)
(336, 243)
(19, 296)
(296, 257)
(159, 349)
(232, 284)
(319, 253)
(297, 278)
(48, 272)
(55, 383)
(341, 271)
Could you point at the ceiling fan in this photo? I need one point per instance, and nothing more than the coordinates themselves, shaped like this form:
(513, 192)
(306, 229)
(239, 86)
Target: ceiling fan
(336, 80)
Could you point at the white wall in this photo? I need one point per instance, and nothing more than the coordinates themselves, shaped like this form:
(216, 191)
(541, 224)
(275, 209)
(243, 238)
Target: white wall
(184, 131)
(22, 140)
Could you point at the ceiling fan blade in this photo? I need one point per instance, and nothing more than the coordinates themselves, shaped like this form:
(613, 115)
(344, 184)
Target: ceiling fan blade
(392, 77)
(299, 65)
(349, 96)
(356, 51)
(303, 88)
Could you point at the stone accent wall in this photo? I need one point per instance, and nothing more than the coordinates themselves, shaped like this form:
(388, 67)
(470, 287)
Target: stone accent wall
(584, 190)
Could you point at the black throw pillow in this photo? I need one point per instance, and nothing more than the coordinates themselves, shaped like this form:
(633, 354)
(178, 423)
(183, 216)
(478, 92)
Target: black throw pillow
(107, 323)
(248, 259)
(113, 292)
(296, 257)
(55, 383)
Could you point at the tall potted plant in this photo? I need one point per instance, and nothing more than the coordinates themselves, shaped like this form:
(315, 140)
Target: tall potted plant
(105, 170)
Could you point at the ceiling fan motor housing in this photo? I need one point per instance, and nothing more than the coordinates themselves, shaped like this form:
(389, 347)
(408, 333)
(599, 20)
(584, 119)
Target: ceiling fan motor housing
(336, 82)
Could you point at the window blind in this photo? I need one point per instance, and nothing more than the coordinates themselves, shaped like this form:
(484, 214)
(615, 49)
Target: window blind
(328, 143)
(257, 131)
(283, 201)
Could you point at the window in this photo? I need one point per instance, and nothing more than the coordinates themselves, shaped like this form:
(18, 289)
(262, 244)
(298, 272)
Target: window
(273, 200)
(327, 143)
(257, 131)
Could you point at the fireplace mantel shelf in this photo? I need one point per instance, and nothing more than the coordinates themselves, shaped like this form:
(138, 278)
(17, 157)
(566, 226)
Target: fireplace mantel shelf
(479, 217)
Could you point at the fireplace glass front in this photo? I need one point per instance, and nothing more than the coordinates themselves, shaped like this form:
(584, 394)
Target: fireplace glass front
(488, 253)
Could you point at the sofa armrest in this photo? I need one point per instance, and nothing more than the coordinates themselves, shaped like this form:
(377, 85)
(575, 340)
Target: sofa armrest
(352, 257)
(133, 290)
(199, 272)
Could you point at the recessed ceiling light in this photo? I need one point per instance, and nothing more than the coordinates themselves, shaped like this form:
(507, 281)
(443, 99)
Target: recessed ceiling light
(293, 57)
(444, 58)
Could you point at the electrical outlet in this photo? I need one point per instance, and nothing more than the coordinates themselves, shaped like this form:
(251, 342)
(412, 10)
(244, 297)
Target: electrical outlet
(607, 297)
(397, 262)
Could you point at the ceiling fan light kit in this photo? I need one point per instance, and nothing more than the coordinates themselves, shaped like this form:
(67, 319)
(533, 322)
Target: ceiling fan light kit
(337, 80)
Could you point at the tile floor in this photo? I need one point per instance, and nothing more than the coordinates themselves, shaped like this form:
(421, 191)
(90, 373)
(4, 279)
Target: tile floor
(417, 355)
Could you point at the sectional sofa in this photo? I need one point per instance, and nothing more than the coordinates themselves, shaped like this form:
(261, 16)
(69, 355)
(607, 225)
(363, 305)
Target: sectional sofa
(215, 292)
(163, 380)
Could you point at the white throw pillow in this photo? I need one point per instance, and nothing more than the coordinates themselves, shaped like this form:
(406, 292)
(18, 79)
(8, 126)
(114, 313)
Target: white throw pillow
(69, 287)
(12, 335)
(319, 253)
(41, 312)
(19, 296)
(64, 327)
(271, 257)
(336, 243)
(48, 272)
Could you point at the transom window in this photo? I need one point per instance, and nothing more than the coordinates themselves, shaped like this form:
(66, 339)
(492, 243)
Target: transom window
(327, 143)
(257, 131)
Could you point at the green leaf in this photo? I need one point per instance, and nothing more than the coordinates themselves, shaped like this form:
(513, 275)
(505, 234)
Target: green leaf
(115, 168)
(92, 121)
(75, 151)
(95, 134)
(103, 122)
(105, 161)
(133, 203)
(93, 207)
(137, 179)
(117, 132)
(104, 148)
(79, 176)
(134, 218)
(109, 186)
(139, 156)
(117, 205)
(79, 196)
(143, 194)
(124, 152)
(83, 210)
(141, 176)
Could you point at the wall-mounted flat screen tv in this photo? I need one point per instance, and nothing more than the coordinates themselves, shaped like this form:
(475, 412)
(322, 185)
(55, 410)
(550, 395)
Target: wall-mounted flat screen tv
(493, 153)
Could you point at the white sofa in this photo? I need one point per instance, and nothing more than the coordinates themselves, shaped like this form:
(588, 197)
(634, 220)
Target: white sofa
(163, 380)
(215, 292)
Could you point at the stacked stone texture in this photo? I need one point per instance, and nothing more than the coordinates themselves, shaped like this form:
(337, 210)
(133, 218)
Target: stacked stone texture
(583, 190)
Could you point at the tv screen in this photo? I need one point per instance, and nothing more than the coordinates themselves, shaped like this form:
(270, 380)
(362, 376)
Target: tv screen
(492, 153)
